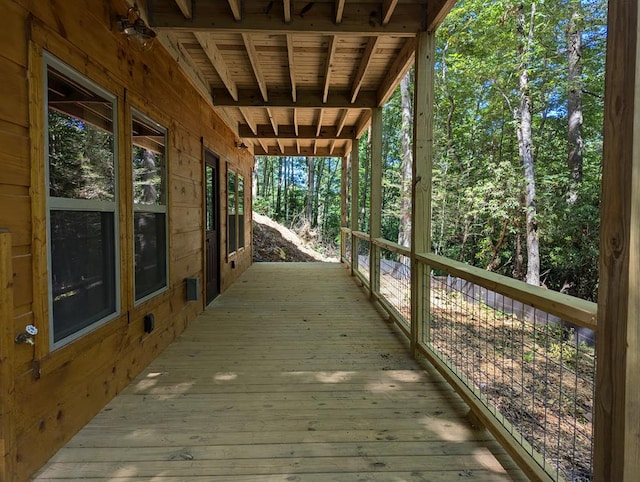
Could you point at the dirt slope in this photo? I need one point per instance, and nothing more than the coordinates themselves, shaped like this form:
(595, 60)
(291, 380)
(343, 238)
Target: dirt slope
(274, 242)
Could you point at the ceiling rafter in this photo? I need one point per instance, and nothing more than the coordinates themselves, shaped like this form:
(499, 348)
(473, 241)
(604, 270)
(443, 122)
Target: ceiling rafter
(298, 146)
(302, 151)
(363, 123)
(262, 144)
(319, 123)
(388, 7)
(236, 9)
(332, 146)
(339, 10)
(358, 19)
(253, 58)
(280, 146)
(286, 4)
(400, 66)
(341, 121)
(306, 99)
(209, 47)
(185, 7)
(331, 50)
(272, 119)
(292, 66)
(264, 131)
(295, 122)
(249, 120)
(365, 62)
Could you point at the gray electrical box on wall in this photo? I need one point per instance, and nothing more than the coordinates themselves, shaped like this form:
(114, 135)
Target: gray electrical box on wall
(193, 288)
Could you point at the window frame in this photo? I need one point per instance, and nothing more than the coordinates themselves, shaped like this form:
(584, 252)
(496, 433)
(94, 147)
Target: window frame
(81, 205)
(238, 219)
(151, 208)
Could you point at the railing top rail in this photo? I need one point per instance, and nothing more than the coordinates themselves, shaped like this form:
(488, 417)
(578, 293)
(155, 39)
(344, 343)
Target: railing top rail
(393, 247)
(569, 308)
(360, 234)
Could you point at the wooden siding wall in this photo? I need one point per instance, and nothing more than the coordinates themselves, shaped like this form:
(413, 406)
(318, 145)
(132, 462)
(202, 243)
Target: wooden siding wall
(57, 392)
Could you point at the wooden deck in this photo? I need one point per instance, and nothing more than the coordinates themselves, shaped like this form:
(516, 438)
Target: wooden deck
(290, 375)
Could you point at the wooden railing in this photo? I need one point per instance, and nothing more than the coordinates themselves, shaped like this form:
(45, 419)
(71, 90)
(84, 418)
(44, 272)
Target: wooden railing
(550, 336)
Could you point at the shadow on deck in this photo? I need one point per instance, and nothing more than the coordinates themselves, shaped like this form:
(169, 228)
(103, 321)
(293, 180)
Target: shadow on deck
(290, 375)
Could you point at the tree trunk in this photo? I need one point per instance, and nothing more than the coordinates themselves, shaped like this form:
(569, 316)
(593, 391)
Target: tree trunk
(279, 192)
(311, 178)
(404, 232)
(525, 146)
(574, 101)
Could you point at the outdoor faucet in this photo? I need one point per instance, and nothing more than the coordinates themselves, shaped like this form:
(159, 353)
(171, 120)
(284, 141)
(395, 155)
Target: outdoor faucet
(27, 335)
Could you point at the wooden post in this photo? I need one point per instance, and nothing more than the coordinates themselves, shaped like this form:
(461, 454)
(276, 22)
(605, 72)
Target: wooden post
(355, 200)
(375, 211)
(343, 204)
(421, 193)
(617, 401)
(7, 348)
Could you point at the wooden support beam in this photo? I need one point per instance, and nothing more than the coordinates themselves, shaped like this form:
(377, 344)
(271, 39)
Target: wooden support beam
(339, 10)
(365, 61)
(375, 206)
(388, 6)
(298, 146)
(319, 123)
(398, 69)
(7, 358)
(331, 50)
(358, 19)
(306, 99)
(341, 121)
(280, 146)
(255, 63)
(315, 147)
(422, 180)
(286, 6)
(292, 66)
(209, 47)
(184, 60)
(265, 131)
(296, 126)
(236, 9)
(355, 202)
(250, 122)
(265, 148)
(186, 7)
(298, 151)
(363, 123)
(437, 10)
(332, 146)
(273, 121)
(617, 398)
(344, 192)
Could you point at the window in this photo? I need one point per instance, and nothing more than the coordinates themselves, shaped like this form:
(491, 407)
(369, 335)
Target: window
(235, 211)
(149, 206)
(231, 212)
(82, 204)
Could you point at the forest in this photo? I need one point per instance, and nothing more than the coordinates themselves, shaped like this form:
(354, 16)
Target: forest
(519, 90)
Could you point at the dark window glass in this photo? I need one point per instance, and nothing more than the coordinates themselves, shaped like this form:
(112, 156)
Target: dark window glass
(231, 210)
(150, 253)
(240, 212)
(82, 269)
(149, 199)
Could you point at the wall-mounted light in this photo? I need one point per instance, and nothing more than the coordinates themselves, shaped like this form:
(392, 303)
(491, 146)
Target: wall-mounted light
(241, 146)
(138, 33)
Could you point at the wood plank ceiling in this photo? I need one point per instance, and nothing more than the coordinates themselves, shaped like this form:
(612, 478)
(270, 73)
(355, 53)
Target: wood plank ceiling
(294, 77)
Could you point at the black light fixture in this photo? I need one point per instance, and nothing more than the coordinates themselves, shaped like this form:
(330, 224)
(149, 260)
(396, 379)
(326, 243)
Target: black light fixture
(241, 146)
(139, 35)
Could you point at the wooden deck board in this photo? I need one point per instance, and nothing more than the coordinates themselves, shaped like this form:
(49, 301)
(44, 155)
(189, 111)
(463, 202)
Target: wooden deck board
(290, 375)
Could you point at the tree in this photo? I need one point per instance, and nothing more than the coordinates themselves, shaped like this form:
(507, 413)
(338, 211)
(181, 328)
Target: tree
(525, 143)
(404, 231)
(574, 100)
